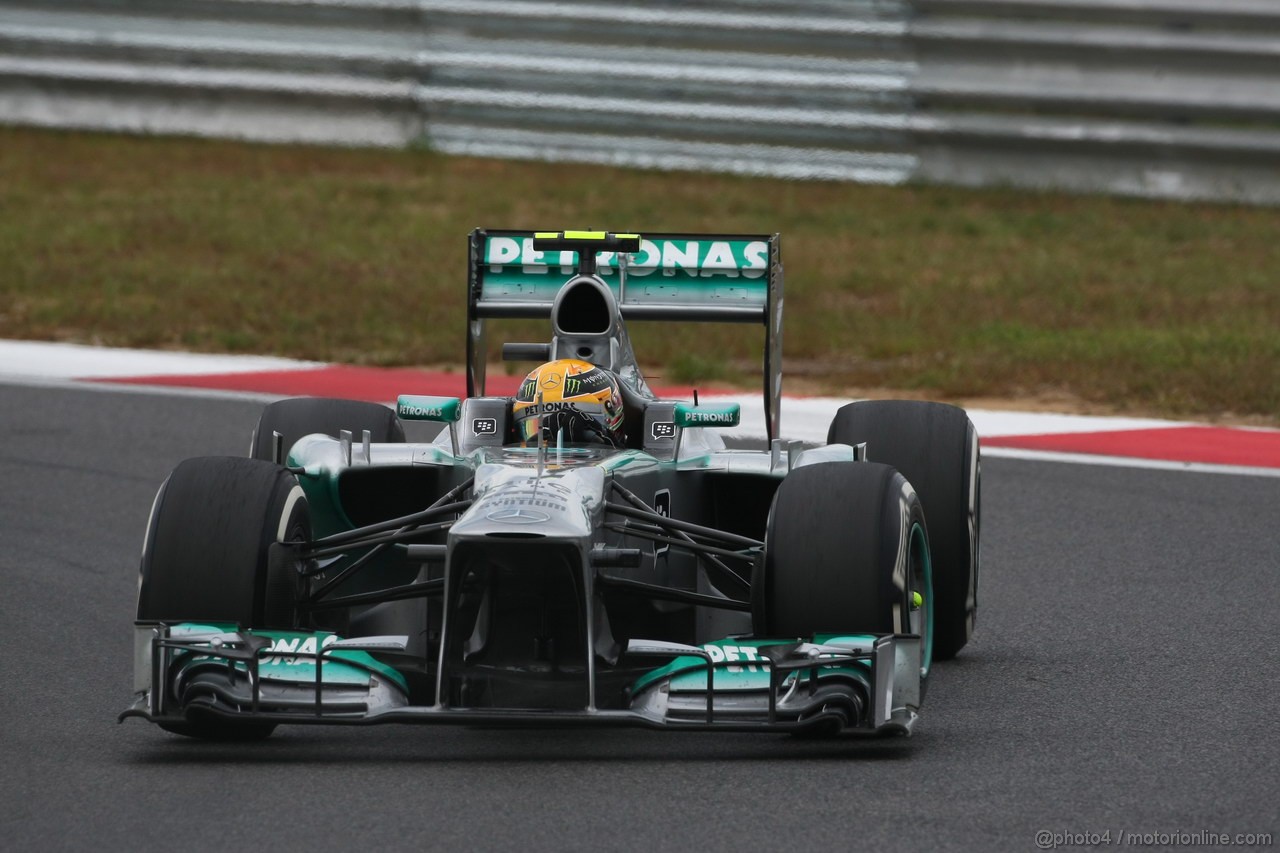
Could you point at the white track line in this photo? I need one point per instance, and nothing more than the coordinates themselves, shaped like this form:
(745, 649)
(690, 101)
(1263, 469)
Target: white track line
(803, 418)
(39, 360)
(1126, 462)
(807, 418)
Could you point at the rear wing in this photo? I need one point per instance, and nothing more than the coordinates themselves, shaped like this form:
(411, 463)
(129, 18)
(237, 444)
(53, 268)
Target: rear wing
(720, 278)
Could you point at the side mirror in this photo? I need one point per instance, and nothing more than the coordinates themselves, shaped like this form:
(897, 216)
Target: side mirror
(723, 415)
(412, 407)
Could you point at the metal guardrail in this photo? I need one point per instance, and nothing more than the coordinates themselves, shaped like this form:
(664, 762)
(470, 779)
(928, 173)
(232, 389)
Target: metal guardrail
(1172, 98)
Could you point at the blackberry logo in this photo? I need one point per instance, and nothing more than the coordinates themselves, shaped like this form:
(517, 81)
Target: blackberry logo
(664, 429)
(485, 426)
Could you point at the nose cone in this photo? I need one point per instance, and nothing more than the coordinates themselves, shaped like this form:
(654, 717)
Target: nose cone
(517, 503)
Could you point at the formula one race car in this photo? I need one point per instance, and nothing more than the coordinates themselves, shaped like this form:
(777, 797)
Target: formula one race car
(582, 552)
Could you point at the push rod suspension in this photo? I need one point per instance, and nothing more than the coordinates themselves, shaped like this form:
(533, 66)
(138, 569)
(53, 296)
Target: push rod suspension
(666, 593)
(719, 572)
(446, 503)
(422, 589)
(655, 534)
(402, 535)
(407, 530)
(639, 509)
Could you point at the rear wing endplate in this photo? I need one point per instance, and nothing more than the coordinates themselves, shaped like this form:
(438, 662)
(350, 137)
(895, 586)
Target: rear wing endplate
(719, 278)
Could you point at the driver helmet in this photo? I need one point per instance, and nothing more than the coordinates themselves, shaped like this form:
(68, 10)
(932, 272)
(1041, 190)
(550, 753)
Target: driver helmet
(573, 398)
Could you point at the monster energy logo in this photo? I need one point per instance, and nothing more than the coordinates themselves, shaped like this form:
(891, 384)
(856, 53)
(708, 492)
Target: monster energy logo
(586, 383)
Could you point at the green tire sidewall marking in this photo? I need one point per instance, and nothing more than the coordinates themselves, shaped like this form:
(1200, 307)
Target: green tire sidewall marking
(926, 647)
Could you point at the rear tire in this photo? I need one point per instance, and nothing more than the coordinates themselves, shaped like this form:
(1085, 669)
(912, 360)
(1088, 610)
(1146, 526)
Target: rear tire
(845, 548)
(301, 416)
(934, 446)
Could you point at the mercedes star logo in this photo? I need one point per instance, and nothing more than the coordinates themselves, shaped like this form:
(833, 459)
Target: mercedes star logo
(518, 515)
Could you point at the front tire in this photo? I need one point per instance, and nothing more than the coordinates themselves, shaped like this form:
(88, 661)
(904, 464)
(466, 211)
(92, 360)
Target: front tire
(206, 559)
(846, 550)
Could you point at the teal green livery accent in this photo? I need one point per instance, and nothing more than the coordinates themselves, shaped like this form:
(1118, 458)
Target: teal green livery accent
(666, 271)
(320, 485)
(322, 498)
(281, 663)
(445, 410)
(685, 289)
(737, 666)
(693, 259)
(724, 415)
(628, 457)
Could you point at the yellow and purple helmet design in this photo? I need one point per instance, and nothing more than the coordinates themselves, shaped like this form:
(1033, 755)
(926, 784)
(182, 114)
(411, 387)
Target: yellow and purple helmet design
(572, 398)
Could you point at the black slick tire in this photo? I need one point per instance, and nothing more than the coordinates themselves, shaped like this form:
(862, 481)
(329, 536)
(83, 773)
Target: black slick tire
(934, 446)
(845, 549)
(205, 558)
(300, 416)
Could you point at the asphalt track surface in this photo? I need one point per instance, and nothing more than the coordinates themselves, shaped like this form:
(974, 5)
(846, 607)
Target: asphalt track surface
(1123, 678)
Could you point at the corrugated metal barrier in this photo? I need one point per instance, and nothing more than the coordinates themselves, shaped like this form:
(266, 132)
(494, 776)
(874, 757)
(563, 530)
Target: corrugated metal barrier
(1169, 98)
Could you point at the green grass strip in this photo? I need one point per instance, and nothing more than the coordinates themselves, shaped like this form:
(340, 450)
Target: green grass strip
(359, 256)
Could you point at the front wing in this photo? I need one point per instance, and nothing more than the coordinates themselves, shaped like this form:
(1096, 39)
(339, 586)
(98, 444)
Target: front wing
(862, 684)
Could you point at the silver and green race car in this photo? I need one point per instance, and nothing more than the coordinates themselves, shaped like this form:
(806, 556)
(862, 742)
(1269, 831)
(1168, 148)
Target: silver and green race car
(344, 575)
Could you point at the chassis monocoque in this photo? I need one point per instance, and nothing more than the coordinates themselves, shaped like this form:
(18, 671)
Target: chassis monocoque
(341, 574)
